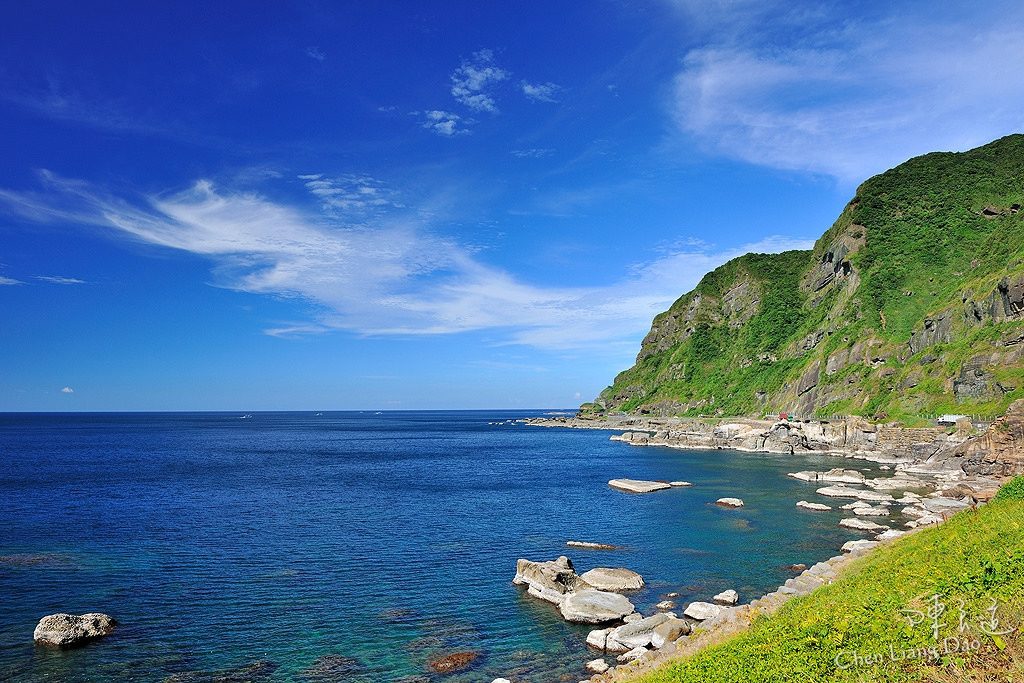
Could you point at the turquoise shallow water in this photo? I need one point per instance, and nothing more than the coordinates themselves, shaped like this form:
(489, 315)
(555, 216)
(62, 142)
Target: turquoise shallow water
(219, 542)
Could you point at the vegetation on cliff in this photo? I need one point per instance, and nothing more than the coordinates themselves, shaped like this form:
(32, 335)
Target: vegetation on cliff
(881, 621)
(911, 304)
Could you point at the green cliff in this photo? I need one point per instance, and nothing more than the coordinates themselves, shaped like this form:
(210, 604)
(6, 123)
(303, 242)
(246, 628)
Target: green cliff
(910, 305)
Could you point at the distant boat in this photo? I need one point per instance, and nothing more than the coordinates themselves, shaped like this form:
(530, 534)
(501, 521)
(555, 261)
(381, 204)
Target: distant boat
(246, 416)
(319, 415)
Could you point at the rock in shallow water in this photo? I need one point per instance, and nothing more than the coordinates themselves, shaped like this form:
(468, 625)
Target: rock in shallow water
(729, 502)
(861, 525)
(595, 607)
(597, 666)
(638, 486)
(330, 668)
(729, 597)
(456, 661)
(550, 581)
(813, 506)
(615, 580)
(70, 630)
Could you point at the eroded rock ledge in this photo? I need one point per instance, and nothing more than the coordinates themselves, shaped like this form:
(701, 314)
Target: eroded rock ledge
(957, 453)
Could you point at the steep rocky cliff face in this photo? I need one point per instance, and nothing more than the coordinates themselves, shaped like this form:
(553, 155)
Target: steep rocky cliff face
(911, 304)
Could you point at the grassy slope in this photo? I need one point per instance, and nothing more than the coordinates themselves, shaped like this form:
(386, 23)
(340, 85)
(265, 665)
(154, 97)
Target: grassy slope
(976, 556)
(926, 245)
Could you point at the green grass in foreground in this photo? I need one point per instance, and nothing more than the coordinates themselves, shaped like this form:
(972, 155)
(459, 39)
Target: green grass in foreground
(856, 629)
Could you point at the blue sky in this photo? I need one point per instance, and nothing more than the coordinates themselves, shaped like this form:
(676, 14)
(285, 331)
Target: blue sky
(378, 205)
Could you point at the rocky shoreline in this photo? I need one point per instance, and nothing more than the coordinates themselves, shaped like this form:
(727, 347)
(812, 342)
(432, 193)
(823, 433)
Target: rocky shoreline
(936, 473)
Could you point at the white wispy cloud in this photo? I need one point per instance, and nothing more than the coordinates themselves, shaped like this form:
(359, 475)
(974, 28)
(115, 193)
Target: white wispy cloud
(532, 153)
(9, 281)
(59, 280)
(848, 96)
(473, 80)
(67, 390)
(394, 277)
(313, 52)
(444, 123)
(540, 92)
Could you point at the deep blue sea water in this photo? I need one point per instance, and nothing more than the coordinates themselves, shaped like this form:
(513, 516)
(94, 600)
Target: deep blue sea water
(218, 541)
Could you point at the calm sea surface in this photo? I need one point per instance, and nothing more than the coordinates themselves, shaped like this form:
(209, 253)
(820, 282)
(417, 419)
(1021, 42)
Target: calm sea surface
(219, 542)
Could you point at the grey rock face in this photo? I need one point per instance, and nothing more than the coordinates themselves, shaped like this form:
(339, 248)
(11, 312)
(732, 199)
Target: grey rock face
(69, 630)
(935, 331)
(614, 580)
(550, 581)
(591, 606)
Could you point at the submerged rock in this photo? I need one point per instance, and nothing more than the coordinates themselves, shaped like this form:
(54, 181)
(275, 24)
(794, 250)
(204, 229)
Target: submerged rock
(247, 673)
(615, 580)
(597, 666)
(70, 630)
(456, 661)
(330, 668)
(591, 606)
(638, 486)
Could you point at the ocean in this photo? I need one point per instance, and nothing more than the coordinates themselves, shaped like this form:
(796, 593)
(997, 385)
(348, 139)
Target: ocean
(356, 546)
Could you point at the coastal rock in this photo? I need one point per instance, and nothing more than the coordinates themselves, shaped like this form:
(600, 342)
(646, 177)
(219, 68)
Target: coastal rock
(591, 606)
(812, 506)
(630, 618)
(637, 634)
(668, 631)
(665, 604)
(847, 492)
(837, 475)
(638, 486)
(456, 661)
(678, 484)
(868, 511)
(855, 505)
(597, 666)
(853, 546)
(729, 502)
(633, 655)
(598, 638)
(702, 610)
(890, 535)
(550, 581)
(862, 525)
(70, 630)
(729, 597)
(591, 546)
(615, 580)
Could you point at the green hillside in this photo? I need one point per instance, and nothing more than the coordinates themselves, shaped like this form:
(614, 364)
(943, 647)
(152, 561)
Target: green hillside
(911, 304)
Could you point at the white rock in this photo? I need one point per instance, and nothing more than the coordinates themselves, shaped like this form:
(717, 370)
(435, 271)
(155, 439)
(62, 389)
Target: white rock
(637, 485)
(598, 638)
(597, 666)
(633, 655)
(501, 680)
(630, 618)
(615, 580)
(595, 607)
(729, 502)
(702, 610)
(729, 597)
(890, 535)
(869, 511)
(636, 634)
(862, 525)
(856, 504)
(679, 483)
(665, 604)
(851, 546)
(813, 506)
(668, 631)
(71, 630)
(928, 519)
